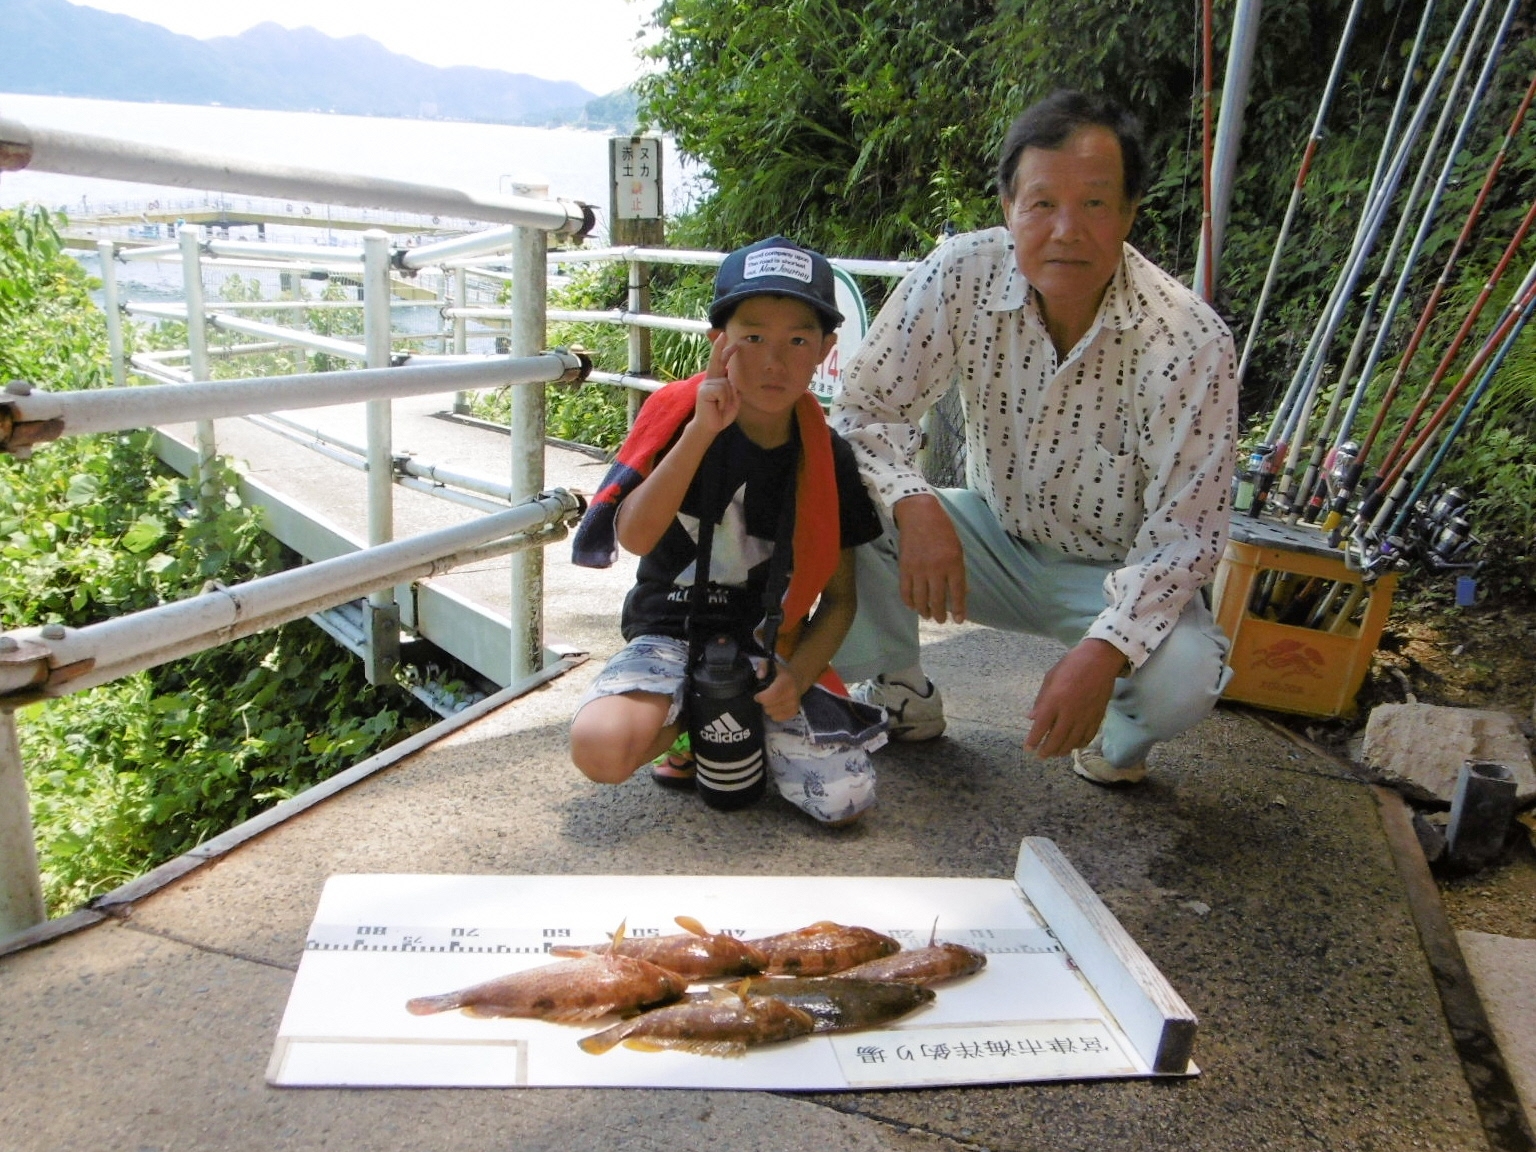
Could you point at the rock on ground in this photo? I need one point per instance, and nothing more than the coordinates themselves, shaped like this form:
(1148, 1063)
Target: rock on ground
(1419, 748)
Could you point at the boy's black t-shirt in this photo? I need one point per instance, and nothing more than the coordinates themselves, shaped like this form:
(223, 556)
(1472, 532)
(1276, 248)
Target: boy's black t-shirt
(758, 481)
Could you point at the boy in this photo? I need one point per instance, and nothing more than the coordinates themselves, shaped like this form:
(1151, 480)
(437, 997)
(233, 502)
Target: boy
(745, 433)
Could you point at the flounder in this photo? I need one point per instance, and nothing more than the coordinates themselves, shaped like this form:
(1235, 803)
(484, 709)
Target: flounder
(839, 1003)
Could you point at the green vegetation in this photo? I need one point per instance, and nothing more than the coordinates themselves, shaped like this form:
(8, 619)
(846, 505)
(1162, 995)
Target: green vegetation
(598, 414)
(864, 129)
(134, 772)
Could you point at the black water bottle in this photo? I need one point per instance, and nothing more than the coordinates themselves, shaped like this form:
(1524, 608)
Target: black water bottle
(725, 727)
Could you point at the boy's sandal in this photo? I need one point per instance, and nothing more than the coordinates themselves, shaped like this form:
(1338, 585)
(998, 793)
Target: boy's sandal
(674, 768)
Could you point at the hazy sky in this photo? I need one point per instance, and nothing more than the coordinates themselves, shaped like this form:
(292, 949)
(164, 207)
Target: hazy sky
(589, 41)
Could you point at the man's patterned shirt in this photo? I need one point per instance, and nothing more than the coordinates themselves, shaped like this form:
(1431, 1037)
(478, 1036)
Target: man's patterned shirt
(1120, 452)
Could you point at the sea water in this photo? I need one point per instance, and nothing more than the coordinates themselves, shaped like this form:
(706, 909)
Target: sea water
(482, 159)
(485, 159)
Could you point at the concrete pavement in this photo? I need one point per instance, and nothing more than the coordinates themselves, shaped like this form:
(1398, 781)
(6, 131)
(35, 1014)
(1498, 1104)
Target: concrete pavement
(1255, 872)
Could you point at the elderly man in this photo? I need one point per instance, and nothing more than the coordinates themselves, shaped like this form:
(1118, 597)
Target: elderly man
(1100, 410)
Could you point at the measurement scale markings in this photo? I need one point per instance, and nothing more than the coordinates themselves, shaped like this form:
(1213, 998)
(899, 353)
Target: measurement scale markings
(538, 941)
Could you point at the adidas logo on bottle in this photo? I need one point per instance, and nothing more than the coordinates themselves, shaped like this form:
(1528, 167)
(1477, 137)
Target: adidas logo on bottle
(725, 730)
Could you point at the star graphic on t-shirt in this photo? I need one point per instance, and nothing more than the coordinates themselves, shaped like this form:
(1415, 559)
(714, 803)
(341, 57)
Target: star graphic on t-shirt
(732, 553)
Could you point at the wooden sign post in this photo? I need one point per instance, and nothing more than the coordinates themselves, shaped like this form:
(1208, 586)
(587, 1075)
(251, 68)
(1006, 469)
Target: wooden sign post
(635, 219)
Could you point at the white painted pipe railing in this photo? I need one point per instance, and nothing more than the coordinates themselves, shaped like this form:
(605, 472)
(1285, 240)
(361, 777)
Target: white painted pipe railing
(55, 661)
(116, 410)
(52, 661)
(300, 252)
(23, 146)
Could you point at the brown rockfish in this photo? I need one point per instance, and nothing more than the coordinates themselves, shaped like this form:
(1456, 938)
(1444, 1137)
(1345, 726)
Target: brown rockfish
(838, 1003)
(711, 1026)
(822, 948)
(924, 966)
(697, 953)
(567, 992)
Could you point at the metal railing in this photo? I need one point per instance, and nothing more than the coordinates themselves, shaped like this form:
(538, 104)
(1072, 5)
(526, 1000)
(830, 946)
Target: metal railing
(40, 663)
(37, 663)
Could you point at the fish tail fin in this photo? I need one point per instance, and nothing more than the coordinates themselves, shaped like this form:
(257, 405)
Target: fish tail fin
(600, 1042)
(426, 1005)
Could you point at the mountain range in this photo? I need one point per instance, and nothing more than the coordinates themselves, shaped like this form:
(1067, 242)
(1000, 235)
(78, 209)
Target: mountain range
(55, 48)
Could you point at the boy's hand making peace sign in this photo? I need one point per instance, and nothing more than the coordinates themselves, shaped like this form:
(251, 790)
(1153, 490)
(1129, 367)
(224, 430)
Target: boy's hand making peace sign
(718, 402)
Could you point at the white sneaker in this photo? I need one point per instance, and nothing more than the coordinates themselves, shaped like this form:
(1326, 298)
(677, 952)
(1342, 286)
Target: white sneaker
(1090, 764)
(914, 714)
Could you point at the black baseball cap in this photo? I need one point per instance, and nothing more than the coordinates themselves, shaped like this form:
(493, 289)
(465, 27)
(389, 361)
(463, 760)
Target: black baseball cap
(776, 267)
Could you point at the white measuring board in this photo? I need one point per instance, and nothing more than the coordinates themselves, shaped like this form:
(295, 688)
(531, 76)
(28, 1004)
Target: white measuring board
(379, 940)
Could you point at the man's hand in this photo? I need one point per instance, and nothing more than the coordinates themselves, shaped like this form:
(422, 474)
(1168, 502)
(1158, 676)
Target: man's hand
(929, 559)
(1073, 697)
(717, 402)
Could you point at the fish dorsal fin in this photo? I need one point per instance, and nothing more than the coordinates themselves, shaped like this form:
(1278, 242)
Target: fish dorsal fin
(689, 924)
(933, 935)
(741, 989)
(617, 938)
(724, 991)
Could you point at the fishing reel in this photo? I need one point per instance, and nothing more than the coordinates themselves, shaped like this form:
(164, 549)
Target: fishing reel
(1439, 535)
(1436, 534)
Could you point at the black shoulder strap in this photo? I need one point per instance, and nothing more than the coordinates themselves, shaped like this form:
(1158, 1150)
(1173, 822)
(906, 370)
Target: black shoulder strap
(712, 484)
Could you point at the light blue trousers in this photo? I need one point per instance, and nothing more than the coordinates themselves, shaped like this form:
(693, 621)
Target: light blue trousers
(1021, 587)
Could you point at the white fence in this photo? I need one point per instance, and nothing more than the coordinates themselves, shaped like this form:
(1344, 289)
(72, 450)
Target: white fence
(520, 516)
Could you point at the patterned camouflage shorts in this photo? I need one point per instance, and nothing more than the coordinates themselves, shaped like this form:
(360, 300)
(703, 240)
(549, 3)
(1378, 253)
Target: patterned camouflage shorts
(829, 780)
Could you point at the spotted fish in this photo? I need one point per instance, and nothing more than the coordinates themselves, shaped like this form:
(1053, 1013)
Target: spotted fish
(710, 1026)
(566, 992)
(822, 948)
(931, 965)
(697, 953)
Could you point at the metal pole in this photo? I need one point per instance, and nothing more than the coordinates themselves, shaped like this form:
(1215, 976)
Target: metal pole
(191, 241)
(106, 250)
(639, 337)
(461, 400)
(114, 410)
(1229, 131)
(381, 621)
(21, 889)
(78, 154)
(1305, 167)
(529, 285)
(56, 661)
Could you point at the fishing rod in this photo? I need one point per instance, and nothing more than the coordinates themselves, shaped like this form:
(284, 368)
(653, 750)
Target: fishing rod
(1349, 476)
(1378, 509)
(1437, 533)
(1388, 136)
(1312, 491)
(1314, 138)
(1461, 335)
(1207, 191)
(1473, 397)
(1310, 376)
(1270, 455)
